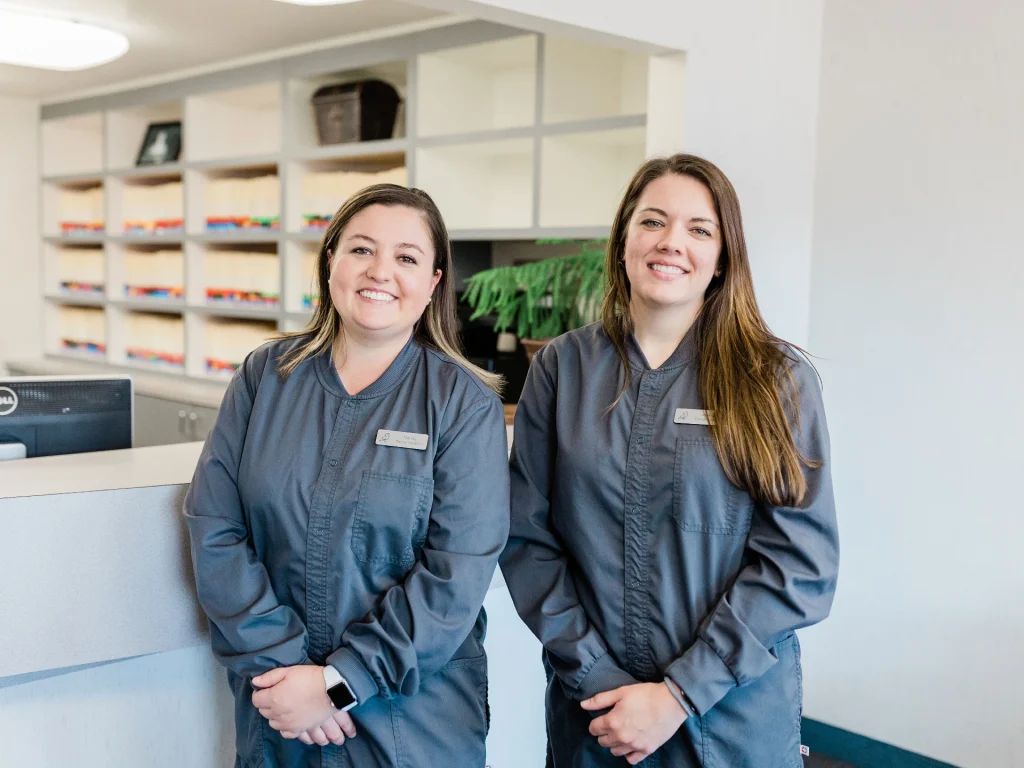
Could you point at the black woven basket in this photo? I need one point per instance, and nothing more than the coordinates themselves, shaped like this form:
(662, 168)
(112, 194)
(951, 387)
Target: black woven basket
(362, 111)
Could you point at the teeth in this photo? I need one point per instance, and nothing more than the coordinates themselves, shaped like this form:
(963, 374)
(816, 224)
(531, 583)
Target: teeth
(667, 269)
(377, 296)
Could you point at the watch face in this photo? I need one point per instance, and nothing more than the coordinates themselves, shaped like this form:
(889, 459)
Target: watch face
(342, 696)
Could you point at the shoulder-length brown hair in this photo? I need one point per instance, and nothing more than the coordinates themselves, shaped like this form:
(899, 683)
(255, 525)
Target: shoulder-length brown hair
(436, 329)
(743, 368)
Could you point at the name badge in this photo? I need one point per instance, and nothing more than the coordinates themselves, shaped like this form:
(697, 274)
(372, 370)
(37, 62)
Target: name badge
(693, 416)
(401, 439)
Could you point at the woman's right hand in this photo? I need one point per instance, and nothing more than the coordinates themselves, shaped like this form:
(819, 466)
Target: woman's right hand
(332, 731)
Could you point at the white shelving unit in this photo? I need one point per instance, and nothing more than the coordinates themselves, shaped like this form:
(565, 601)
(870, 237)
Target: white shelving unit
(515, 135)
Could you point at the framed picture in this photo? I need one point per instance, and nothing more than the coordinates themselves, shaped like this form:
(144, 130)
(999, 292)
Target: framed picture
(162, 144)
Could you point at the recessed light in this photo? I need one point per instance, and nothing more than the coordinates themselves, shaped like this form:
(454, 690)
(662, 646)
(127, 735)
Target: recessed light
(49, 43)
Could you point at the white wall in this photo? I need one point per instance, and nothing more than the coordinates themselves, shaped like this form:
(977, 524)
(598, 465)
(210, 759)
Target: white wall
(751, 107)
(917, 313)
(20, 286)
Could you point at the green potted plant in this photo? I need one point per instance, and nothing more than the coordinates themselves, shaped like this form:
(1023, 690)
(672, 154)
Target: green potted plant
(541, 299)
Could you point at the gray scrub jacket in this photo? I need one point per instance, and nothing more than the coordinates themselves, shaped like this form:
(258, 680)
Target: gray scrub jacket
(633, 558)
(313, 543)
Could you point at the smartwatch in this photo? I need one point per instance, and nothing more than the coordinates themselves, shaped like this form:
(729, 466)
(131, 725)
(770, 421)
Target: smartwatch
(338, 690)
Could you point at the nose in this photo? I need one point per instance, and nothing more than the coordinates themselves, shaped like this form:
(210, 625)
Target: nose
(672, 240)
(378, 270)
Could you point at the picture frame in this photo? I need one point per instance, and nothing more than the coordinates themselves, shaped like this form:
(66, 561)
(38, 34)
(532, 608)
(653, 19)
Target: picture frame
(161, 144)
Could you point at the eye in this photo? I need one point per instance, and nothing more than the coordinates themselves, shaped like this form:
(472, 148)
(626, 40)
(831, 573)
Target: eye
(361, 250)
(701, 231)
(405, 259)
(651, 223)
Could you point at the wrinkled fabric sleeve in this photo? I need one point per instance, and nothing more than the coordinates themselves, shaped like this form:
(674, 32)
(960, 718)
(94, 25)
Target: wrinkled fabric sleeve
(789, 581)
(419, 624)
(535, 564)
(251, 632)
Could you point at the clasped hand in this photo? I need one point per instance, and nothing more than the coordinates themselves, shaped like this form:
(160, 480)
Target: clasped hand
(294, 701)
(642, 717)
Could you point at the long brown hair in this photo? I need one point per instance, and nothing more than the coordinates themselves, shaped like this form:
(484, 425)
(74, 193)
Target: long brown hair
(744, 373)
(436, 329)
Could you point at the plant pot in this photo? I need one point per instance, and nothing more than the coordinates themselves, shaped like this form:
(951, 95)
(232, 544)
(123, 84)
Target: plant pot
(532, 345)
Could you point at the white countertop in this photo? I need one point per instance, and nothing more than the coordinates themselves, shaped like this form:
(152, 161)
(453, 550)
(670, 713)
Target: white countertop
(100, 471)
(164, 386)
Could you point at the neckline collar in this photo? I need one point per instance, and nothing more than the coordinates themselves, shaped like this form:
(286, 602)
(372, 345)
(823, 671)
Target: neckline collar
(387, 381)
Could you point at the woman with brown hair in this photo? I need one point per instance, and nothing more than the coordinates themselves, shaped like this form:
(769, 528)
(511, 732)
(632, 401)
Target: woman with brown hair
(349, 508)
(672, 515)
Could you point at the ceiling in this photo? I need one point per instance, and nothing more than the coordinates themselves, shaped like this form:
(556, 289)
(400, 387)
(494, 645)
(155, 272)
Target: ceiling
(168, 36)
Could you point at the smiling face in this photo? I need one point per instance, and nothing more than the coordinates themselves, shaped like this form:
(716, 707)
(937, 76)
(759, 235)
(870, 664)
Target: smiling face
(673, 243)
(382, 271)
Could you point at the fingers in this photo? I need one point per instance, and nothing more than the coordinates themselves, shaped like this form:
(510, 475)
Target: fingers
(602, 725)
(621, 750)
(604, 700)
(319, 737)
(268, 679)
(348, 726)
(635, 758)
(333, 732)
(305, 738)
(611, 742)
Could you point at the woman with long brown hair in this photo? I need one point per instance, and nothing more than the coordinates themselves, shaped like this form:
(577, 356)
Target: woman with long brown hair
(349, 508)
(672, 515)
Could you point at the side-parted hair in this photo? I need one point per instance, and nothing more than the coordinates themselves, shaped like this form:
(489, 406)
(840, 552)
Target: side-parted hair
(744, 372)
(438, 327)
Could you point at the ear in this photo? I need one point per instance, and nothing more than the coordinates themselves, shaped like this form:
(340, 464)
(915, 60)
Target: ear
(437, 279)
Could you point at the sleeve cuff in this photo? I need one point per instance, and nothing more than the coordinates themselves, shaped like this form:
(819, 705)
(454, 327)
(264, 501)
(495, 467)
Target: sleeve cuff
(605, 675)
(356, 675)
(702, 676)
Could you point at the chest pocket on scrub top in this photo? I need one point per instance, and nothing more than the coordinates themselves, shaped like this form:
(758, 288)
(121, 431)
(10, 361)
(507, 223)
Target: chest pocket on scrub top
(703, 499)
(390, 508)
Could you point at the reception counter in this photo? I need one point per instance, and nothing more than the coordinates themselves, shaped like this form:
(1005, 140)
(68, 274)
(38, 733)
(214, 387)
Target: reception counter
(104, 652)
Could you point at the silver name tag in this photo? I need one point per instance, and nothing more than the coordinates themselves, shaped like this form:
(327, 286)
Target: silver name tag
(401, 439)
(693, 416)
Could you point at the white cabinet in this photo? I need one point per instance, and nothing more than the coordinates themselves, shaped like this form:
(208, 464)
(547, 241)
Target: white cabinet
(163, 422)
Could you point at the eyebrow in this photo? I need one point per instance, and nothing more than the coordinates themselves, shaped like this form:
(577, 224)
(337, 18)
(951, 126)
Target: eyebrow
(371, 240)
(701, 219)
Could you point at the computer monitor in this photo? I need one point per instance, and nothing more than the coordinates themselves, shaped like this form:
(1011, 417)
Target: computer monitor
(52, 415)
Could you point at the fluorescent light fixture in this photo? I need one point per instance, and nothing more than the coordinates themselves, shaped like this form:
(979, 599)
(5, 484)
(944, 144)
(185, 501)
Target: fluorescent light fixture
(49, 43)
(317, 2)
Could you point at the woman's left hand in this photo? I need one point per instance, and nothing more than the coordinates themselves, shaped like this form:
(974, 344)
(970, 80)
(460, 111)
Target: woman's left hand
(642, 718)
(293, 699)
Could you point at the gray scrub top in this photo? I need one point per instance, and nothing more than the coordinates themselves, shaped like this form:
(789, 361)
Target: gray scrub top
(633, 558)
(313, 543)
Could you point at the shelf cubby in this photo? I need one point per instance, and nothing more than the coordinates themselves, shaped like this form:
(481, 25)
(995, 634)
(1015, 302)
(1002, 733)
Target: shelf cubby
(151, 205)
(234, 123)
(77, 331)
(484, 87)
(149, 340)
(487, 185)
(304, 139)
(72, 145)
(74, 270)
(73, 209)
(244, 200)
(144, 274)
(318, 188)
(583, 81)
(233, 276)
(584, 175)
(219, 344)
(126, 130)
